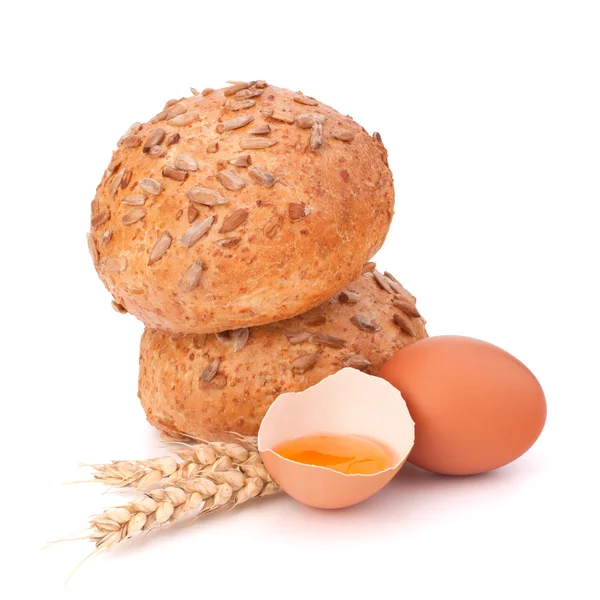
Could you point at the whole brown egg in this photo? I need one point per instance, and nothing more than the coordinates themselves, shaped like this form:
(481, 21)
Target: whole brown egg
(475, 406)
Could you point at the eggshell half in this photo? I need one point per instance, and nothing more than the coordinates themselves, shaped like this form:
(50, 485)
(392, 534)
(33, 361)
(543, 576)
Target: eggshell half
(347, 402)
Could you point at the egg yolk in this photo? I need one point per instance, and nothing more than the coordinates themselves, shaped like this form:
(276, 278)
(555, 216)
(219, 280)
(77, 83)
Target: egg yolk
(348, 454)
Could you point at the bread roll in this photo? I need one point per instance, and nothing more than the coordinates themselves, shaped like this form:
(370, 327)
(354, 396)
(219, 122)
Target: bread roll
(238, 207)
(205, 386)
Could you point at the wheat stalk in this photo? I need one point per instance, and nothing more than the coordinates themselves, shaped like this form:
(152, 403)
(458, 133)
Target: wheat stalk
(197, 458)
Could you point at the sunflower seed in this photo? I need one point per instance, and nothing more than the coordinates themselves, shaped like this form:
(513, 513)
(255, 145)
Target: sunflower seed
(231, 180)
(307, 120)
(327, 340)
(262, 177)
(267, 112)
(115, 183)
(115, 264)
(131, 141)
(302, 99)
(185, 162)
(176, 110)
(234, 123)
(182, 120)
(345, 135)
(223, 336)
(404, 323)
(170, 103)
(368, 267)
(212, 148)
(242, 85)
(194, 91)
(260, 84)
(396, 287)
(365, 323)
(298, 211)
(134, 200)
(206, 196)
(106, 237)
(234, 220)
(304, 363)
(248, 93)
(118, 307)
(207, 91)
(229, 242)
(272, 226)
(356, 361)
(349, 297)
(406, 306)
(313, 319)
(240, 338)
(150, 186)
(395, 284)
(172, 138)
(297, 337)
(241, 161)
(196, 231)
(377, 137)
(210, 371)
(192, 214)
(154, 139)
(92, 248)
(260, 130)
(191, 278)
(114, 164)
(256, 143)
(382, 282)
(161, 116)
(133, 129)
(316, 136)
(126, 179)
(175, 174)
(100, 218)
(282, 115)
(158, 250)
(242, 104)
(218, 383)
(158, 151)
(133, 216)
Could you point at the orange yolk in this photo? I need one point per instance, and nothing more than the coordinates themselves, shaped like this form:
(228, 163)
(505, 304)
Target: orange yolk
(348, 454)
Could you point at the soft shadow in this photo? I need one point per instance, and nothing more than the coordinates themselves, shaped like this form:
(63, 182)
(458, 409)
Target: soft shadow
(412, 498)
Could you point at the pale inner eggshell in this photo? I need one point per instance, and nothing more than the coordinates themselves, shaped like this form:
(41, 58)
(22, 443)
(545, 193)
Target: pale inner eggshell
(347, 402)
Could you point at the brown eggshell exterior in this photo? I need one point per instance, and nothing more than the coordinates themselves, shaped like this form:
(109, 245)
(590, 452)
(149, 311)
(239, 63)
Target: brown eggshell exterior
(347, 186)
(324, 488)
(176, 401)
(476, 407)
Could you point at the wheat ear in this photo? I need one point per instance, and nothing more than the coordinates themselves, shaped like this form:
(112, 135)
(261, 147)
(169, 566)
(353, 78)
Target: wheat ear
(211, 491)
(197, 457)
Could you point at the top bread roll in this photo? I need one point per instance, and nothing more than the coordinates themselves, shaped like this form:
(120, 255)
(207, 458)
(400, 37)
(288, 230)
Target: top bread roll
(238, 207)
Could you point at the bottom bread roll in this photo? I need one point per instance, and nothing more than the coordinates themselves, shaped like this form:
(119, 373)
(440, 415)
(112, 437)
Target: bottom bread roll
(211, 385)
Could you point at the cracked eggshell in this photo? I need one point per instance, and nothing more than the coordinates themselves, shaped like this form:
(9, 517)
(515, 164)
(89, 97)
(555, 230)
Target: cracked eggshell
(347, 402)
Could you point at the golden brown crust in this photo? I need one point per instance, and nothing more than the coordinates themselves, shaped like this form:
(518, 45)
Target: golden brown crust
(313, 207)
(356, 325)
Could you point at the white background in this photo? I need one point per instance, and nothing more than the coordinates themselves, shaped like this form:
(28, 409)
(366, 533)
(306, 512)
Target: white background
(491, 115)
